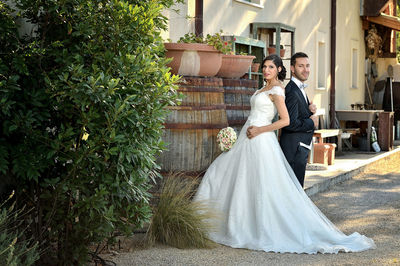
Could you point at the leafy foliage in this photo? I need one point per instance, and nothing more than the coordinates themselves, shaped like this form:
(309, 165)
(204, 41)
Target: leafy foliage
(215, 40)
(83, 99)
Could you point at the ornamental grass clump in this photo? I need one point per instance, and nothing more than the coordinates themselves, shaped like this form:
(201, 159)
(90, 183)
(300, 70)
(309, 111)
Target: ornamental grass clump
(15, 248)
(177, 220)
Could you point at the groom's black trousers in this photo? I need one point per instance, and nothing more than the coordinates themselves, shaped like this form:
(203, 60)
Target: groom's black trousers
(298, 162)
(300, 130)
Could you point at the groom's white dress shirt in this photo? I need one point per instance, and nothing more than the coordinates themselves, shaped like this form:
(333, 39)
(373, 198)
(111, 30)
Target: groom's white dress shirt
(302, 86)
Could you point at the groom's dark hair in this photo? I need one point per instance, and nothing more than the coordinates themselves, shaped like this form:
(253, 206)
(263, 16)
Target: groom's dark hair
(295, 56)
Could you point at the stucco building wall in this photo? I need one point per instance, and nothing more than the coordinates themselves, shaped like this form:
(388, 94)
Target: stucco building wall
(311, 18)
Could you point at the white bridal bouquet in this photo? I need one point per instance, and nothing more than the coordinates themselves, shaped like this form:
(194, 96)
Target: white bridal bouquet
(226, 137)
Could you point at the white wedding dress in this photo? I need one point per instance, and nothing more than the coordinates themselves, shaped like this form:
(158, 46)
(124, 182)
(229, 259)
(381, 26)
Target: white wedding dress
(261, 204)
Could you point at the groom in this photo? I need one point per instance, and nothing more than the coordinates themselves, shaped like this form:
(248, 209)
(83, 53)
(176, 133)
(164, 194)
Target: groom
(296, 138)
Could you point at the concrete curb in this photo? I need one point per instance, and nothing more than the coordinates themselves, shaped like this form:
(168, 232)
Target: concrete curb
(328, 182)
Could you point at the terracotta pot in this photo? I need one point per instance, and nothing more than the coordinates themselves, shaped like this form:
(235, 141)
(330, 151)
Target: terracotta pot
(193, 59)
(235, 66)
(255, 67)
(272, 50)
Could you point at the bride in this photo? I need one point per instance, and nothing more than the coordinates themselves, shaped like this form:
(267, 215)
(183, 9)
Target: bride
(252, 186)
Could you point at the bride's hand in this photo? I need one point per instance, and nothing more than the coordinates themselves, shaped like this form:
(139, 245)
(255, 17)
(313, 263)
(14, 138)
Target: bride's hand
(252, 131)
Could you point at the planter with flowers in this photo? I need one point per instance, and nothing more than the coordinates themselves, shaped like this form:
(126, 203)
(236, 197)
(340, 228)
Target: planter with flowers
(193, 56)
(211, 56)
(233, 66)
(255, 67)
(193, 59)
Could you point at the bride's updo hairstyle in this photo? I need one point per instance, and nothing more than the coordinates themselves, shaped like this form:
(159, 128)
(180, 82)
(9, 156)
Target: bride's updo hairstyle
(278, 63)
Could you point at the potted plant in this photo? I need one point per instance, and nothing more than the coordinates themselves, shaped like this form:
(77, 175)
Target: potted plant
(255, 67)
(233, 66)
(209, 56)
(272, 50)
(193, 56)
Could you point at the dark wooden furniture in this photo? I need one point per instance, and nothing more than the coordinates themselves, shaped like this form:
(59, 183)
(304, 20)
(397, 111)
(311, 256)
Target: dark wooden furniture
(359, 115)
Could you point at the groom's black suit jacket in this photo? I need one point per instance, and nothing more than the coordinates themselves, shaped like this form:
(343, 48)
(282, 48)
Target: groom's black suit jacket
(301, 127)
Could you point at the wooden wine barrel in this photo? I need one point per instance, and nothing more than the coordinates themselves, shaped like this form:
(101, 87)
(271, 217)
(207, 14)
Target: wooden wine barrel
(237, 99)
(191, 128)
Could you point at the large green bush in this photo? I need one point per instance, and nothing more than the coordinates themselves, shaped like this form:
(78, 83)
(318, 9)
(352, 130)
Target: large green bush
(83, 99)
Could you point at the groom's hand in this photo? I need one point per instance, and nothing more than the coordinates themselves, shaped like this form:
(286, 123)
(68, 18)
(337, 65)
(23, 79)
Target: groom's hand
(312, 107)
(314, 118)
(252, 131)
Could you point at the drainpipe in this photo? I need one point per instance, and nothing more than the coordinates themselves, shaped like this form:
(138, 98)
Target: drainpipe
(198, 20)
(332, 113)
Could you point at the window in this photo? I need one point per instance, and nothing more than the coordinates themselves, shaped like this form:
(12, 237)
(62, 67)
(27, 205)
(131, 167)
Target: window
(321, 65)
(354, 64)
(321, 61)
(354, 68)
(254, 3)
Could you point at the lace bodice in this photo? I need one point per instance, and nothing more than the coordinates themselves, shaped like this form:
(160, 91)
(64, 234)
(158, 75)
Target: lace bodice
(263, 110)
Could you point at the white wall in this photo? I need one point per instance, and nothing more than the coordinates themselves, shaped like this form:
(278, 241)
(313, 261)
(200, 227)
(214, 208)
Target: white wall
(382, 66)
(311, 18)
(350, 37)
(180, 22)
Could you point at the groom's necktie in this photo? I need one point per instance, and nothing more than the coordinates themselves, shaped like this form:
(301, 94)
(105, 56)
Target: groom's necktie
(302, 87)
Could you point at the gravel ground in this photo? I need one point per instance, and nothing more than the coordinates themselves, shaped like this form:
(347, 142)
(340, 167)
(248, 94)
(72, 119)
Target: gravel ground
(368, 204)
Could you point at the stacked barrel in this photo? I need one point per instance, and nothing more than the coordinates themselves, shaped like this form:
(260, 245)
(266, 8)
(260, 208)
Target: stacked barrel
(191, 128)
(237, 99)
(209, 104)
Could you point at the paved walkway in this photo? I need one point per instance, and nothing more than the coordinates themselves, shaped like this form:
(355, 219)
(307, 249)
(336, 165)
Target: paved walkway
(345, 167)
